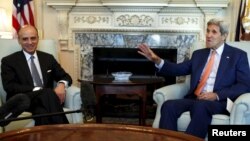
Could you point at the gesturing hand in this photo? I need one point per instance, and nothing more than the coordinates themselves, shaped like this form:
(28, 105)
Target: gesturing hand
(148, 53)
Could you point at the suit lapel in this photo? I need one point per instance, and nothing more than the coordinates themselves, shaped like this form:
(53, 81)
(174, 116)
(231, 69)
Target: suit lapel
(224, 62)
(24, 67)
(43, 67)
(201, 62)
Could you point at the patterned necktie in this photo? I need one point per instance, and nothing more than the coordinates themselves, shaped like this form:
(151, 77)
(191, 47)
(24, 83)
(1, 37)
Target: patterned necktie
(205, 75)
(34, 72)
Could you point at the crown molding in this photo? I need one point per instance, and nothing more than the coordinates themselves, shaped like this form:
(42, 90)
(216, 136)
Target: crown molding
(138, 5)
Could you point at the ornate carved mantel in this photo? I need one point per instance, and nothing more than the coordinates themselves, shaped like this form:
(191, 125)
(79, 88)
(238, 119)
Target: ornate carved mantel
(130, 16)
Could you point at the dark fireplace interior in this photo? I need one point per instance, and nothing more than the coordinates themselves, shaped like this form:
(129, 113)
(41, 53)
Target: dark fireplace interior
(107, 60)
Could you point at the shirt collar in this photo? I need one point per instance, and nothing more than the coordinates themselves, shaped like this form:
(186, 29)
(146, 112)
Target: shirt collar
(27, 55)
(220, 49)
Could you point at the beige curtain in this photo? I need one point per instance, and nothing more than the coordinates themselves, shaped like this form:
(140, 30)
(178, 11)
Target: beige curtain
(246, 21)
(233, 12)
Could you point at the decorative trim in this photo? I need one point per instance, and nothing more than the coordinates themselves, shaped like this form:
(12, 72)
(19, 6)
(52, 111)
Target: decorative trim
(147, 22)
(186, 10)
(135, 6)
(91, 9)
(91, 19)
(212, 3)
(134, 30)
(79, 20)
(152, 9)
(77, 66)
(63, 44)
(135, 20)
(180, 20)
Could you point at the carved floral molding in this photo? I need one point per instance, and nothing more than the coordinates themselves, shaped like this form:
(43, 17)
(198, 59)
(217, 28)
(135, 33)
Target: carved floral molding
(134, 20)
(91, 19)
(180, 20)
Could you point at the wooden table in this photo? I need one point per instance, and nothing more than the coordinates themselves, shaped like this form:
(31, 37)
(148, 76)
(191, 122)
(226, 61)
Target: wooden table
(136, 85)
(94, 132)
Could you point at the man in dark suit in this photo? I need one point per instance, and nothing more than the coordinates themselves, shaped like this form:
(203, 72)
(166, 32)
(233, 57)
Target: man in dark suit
(17, 77)
(229, 78)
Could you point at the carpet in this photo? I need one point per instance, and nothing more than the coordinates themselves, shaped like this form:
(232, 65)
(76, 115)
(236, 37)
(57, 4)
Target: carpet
(122, 120)
(124, 109)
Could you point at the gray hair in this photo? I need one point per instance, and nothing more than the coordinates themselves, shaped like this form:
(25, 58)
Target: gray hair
(221, 24)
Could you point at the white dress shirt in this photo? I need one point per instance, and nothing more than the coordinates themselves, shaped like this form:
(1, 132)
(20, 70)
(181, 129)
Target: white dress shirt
(209, 86)
(36, 61)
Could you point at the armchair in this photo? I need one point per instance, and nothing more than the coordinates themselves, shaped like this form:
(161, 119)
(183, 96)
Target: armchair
(240, 113)
(72, 101)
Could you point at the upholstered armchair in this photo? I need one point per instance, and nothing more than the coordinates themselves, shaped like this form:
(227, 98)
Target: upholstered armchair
(240, 113)
(73, 99)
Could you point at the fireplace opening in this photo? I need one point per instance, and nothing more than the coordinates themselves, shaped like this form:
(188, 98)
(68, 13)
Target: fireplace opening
(107, 60)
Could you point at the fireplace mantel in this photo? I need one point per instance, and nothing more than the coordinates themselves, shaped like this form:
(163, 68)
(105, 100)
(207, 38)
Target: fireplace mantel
(78, 18)
(126, 16)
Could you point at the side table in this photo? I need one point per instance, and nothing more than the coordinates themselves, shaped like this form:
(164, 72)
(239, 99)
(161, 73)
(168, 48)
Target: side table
(136, 85)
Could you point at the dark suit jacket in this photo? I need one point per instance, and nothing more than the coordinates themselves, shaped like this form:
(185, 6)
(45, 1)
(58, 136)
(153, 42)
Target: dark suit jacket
(233, 75)
(17, 78)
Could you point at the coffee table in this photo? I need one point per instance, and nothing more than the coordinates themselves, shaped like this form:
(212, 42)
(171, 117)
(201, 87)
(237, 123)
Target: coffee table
(136, 85)
(94, 132)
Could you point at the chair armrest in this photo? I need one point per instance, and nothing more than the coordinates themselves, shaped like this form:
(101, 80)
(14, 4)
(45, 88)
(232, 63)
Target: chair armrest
(73, 102)
(175, 91)
(240, 113)
(71, 93)
(19, 124)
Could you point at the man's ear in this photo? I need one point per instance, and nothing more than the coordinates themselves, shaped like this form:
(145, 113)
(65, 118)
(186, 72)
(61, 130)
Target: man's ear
(18, 39)
(225, 36)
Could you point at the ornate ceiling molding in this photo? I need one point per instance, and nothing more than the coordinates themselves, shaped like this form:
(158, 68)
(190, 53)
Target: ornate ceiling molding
(138, 5)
